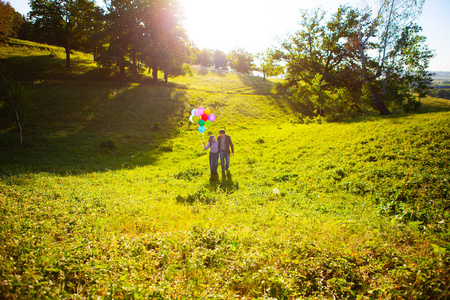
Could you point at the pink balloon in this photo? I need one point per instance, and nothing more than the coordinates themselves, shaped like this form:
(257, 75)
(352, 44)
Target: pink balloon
(201, 110)
(211, 118)
(197, 113)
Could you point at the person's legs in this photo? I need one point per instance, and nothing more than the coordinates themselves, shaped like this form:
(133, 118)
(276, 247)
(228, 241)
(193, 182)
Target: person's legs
(222, 160)
(227, 161)
(214, 158)
(211, 162)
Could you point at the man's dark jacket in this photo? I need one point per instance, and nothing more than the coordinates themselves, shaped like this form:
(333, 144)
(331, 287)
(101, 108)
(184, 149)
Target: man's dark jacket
(228, 143)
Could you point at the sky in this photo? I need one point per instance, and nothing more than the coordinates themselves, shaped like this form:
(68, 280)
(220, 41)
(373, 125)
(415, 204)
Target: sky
(255, 25)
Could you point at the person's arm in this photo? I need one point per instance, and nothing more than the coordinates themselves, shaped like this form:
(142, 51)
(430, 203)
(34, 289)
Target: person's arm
(206, 146)
(232, 146)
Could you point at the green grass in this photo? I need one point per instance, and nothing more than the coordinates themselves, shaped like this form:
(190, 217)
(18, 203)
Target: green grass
(355, 210)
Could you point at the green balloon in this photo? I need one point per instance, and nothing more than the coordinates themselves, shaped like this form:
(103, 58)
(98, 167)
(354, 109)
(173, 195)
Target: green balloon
(195, 119)
(208, 123)
(201, 122)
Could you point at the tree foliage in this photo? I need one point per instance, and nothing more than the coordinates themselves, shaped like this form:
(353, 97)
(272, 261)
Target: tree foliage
(378, 60)
(267, 65)
(145, 31)
(220, 60)
(241, 61)
(204, 57)
(65, 23)
(9, 20)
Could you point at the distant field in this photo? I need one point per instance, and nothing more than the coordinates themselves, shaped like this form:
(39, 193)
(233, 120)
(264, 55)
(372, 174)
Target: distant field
(110, 197)
(439, 77)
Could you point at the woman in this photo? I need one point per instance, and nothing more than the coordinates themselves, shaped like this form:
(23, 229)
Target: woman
(213, 153)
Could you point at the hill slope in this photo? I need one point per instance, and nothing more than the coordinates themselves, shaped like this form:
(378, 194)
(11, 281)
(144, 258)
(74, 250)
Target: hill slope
(355, 210)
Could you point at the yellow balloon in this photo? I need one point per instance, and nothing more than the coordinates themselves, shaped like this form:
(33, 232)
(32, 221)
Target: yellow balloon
(207, 111)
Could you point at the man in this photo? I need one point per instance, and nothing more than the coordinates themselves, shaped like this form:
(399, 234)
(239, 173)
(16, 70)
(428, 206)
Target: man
(224, 149)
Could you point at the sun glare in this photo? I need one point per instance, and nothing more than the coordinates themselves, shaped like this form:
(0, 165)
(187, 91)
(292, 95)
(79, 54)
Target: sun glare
(213, 23)
(231, 24)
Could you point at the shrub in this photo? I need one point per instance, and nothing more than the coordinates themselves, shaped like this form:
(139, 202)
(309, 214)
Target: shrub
(411, 106)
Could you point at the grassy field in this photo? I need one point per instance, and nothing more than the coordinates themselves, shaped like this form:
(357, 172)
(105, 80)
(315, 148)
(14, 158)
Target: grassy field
(110, 197)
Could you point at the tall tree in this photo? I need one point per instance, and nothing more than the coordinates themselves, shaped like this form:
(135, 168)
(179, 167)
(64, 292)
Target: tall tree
(220, 60)
(147, 31)
(167, 48)
(267, 65)
(123, 30)
(204, 58)
(65, 23)
(241, 61)
(15, 98)
(318, 48)
(380, 33)
(354, 53)
(6, 20)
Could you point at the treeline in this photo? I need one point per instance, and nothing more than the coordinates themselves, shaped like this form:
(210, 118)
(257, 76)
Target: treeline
(130, 36)
(335, 66)
(12, 23)
(440, 93)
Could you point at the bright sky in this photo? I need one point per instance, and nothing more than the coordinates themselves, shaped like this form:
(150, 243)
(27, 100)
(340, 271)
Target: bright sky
(256, 25)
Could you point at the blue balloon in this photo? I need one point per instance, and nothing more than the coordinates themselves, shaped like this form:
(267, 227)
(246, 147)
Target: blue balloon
(201, 129)
(193, 111)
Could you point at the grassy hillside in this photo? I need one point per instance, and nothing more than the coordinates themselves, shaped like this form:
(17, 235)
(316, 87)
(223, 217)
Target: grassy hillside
(110, 197)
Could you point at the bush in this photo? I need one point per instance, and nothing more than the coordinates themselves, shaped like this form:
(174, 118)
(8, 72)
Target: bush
(411, 106)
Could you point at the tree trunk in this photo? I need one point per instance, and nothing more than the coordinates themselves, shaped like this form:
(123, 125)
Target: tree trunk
(155, 73)
(375, 97)
(378, 103)
(122, 77)
(19, 126)
(67, 57)
(166, 77)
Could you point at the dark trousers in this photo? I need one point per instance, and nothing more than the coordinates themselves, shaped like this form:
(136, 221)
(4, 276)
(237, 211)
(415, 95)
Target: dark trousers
(224, 160)
(213, 162)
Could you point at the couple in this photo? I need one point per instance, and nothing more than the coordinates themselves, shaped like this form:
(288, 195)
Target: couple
(221, 147)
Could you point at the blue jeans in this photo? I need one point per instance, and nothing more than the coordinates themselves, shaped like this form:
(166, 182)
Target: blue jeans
(213, 162)
(224, 160)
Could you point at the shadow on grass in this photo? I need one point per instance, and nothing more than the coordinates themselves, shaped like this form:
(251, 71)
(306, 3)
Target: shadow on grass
(78, 127)
(51, 67)
(224, 182)
(430, 105)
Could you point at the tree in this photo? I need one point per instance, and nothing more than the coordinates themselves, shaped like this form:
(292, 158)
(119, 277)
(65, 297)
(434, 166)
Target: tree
(20, 26)
(241, 61)
(220, 60)
(6, 20)
(144, 31)
(123, 35)
(355, 53)
(167, 49)
(64, 23)
(415, 57)
(380, 34)
(15, 97)
(204, 58)
(318, 48)
(267, 65)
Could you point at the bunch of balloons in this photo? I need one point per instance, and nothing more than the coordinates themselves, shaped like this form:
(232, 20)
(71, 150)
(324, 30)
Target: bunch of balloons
(202, 117)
